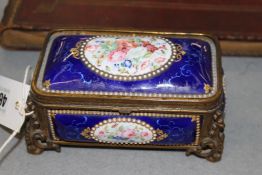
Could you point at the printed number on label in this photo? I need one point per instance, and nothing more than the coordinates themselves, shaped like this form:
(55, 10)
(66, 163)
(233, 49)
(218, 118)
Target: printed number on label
(3, 99)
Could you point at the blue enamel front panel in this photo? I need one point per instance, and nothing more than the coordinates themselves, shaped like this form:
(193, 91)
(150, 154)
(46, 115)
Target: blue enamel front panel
(70, 127)
(190, 75)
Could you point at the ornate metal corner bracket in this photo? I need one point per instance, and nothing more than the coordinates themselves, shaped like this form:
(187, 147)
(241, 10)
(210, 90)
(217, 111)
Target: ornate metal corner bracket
(211, 147)
(36, 139)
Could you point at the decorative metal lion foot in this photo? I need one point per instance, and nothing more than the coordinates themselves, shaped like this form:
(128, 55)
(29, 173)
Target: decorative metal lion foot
(35, 137)
(211, 147)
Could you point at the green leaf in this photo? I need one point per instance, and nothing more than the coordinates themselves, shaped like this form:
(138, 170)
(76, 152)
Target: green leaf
(155, 67)
(148, 54)
(121, 128)
(137, 40)
(108, 68)
(113, 47)
(104, 46)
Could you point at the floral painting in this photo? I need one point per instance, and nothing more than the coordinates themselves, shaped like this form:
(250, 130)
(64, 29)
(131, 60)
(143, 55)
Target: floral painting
(127, 56)
(123, 132)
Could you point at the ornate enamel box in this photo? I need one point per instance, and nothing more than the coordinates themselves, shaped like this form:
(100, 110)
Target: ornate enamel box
(125, 89)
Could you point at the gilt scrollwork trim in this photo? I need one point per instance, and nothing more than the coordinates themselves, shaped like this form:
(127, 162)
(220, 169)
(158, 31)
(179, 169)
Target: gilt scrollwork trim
(36, 139)
(87, 133)
(211, 147)
(160, 135)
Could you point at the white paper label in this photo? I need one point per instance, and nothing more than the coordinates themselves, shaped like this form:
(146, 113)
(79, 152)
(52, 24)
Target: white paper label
(10, 93)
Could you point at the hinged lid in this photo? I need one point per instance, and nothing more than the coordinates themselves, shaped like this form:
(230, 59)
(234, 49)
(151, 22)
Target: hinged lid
(129, 65)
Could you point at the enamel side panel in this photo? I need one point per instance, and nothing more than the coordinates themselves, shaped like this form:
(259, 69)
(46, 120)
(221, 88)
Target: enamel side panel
(129, 65)
(111, 128)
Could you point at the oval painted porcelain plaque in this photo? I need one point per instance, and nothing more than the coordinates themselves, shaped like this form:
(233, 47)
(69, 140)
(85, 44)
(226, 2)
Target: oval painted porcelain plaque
(127, 57)
(123, 131)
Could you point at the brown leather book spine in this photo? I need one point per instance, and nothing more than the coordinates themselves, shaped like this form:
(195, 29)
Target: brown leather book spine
(27, 22)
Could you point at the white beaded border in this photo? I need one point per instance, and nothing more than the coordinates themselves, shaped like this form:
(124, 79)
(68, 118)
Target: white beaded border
(137, 94)
(127, 120)
(51, 114)
(129, 77)
(196, 118)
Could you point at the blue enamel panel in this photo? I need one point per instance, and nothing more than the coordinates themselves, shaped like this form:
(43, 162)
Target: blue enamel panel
(68, 127)
(190, 75)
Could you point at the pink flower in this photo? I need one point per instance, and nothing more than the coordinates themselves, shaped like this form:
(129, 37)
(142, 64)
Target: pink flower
(144, 65)
(116, 56)
(124, 45)
(134, 44)
(131, 134)
(160, 60)
(150, 47)
(114, 125)
(91, 47)
(101, 133)
(144, 134)
(162, 47)
(145, 43)
(128, 133)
